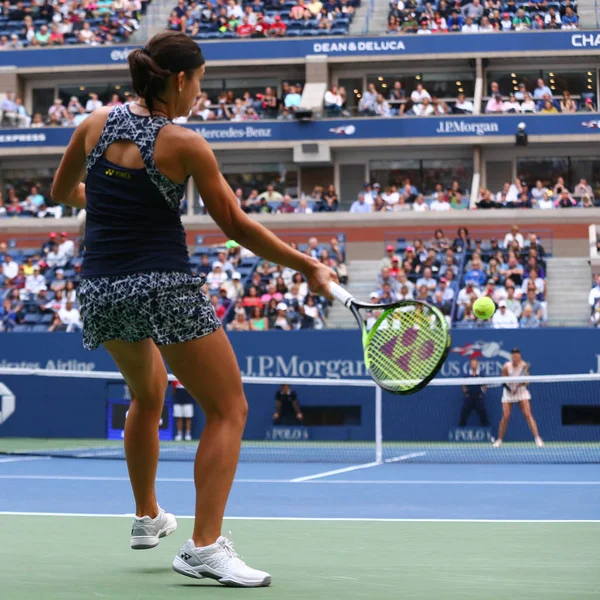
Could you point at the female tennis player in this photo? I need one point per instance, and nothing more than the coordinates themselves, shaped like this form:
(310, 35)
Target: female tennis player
(140, 300)
(516, 393)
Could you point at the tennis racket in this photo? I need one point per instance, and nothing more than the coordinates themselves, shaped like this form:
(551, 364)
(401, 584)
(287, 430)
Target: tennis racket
(406, 345)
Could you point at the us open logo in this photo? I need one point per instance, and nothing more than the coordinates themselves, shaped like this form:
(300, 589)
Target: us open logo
(7, 403)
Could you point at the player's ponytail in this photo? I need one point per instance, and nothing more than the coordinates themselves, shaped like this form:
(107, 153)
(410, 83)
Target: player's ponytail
(165, 55)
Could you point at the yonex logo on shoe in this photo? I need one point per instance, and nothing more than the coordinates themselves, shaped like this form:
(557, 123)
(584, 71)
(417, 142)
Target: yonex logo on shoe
(186, 556)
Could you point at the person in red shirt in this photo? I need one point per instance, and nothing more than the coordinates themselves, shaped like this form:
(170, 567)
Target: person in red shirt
(56, 37)
(245, 29)
(277, 28)
(395, 268)
(286, 206)
(219, 308)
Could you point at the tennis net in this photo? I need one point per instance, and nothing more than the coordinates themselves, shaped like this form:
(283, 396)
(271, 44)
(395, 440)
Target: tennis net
(82, 415)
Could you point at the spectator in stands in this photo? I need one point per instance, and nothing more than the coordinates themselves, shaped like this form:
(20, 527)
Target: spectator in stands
(528, 320)
(455, 21)
(8, 315)
(512, 302)
(495, 104)
(549, 108)
(466, 297)
(69, 316)
(35, 282)
(565, 200)
(329, 202)
(470, 26)
(286, 206)
(476, 274)
(532, 301)
(583, 189)
(539, 284)
(333, 102)
(546, 202)
(570, 20)
(528, 105)
(10, 269)
(216, 277)
(462, 105)
(542, 89)
(240, 323)
(293, 99)
(359, 205)
(271, 194)
(514, 236)
(427, 280)
(588, 105)
(594, 295)
(504, 318)
(366, 105)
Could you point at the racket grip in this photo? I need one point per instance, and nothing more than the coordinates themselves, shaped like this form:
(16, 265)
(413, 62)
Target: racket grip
(339, 293)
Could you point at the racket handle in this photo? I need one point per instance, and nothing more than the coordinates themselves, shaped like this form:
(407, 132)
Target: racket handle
(339, 293)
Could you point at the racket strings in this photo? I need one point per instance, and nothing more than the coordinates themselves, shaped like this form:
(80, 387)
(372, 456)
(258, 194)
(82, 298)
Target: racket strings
(405, 346)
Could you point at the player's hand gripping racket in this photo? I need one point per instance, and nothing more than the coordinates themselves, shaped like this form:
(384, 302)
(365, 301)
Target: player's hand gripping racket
(407, 344)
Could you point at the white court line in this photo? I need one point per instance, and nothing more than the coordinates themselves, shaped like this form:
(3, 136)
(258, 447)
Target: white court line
(396, 459)
(335, 472)
(23, 459)
(305, 519)
(316, 481)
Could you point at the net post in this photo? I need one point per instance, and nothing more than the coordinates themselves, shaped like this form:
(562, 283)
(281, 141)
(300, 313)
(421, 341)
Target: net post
(378, 426)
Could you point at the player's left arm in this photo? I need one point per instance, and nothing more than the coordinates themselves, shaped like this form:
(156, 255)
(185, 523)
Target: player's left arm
(67, 187)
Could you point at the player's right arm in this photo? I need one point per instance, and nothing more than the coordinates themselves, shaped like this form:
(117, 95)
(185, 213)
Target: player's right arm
(223, 207)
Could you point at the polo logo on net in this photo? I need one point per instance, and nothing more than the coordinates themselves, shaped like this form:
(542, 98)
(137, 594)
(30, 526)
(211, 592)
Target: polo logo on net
(8, 403)
(120, 55)
(364, 46)
(477, 127)
(584, 40)
(265, 365)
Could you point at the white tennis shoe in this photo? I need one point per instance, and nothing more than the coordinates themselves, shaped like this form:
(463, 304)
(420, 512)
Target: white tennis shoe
(146, 532)
(497, 444)
(539, 442)
(218, 561)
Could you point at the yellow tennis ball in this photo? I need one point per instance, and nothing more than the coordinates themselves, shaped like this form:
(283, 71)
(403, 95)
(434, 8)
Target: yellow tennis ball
(484, 308)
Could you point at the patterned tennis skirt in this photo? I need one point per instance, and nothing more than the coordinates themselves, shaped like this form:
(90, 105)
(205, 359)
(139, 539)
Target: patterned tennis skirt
(167, 307)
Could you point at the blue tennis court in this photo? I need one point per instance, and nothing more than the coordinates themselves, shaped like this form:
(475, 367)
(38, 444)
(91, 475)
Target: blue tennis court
(328, 530)
(323, 491)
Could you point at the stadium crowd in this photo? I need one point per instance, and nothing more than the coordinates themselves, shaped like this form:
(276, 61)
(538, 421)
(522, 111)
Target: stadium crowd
(48, 23)
(252, 295)
(451, 275)
(445, 16)
(262, 18)
(39, 287)
(395, 100)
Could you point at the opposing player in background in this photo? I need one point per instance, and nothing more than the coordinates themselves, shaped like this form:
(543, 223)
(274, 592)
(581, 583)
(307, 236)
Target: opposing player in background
(516, 393)
(140, 300)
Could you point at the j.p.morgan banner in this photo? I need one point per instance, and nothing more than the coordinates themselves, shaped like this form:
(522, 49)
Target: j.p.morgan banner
(473, 44)
(348, 130)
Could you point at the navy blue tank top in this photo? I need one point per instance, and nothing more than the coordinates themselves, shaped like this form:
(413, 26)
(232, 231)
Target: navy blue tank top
(132, 215)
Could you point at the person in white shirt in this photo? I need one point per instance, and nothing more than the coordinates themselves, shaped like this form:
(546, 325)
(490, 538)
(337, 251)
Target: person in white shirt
(10, 269)
(66, 247)
(466, 297)
(594, 292)
(538, 191)
(419, 205)
(511, 105)
(427, 280)
(93, 103)
(391, 196)
(303, 207)
(424, 29)
(35, 282)
(514, 236)
(464, 105)
(419, 94)
(469, 26)
(234, 10)
(216, 277)
(528, 105)
(440, 205)
(333, 101)
(504, 318)
(360, 205)
(382, 107)
(425, 109)
(540, 284)
(546, 203)
(70, 317)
